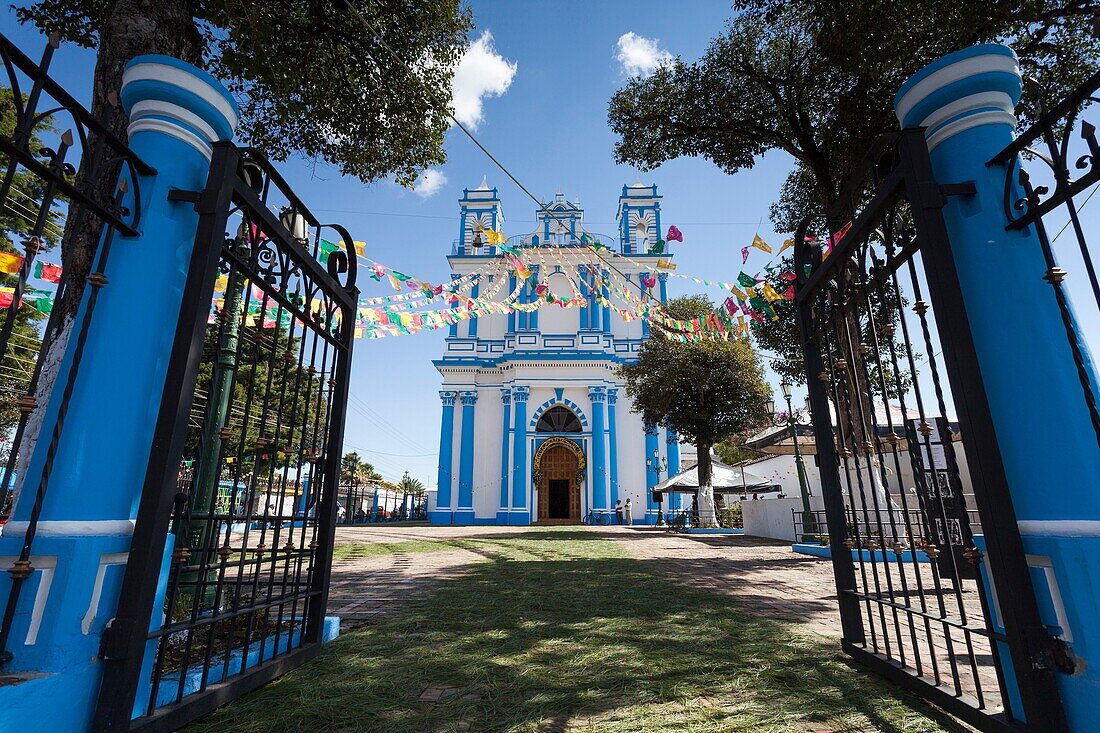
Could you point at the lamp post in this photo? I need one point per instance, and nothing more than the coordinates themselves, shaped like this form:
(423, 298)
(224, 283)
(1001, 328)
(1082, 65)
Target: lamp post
(809, 523)
(657, 464)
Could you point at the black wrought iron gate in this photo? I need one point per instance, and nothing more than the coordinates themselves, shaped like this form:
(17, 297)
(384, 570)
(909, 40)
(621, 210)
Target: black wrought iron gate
(883, 323)
(233, 540)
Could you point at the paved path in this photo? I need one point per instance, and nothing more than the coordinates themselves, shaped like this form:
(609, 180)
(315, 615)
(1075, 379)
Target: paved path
(765, 576)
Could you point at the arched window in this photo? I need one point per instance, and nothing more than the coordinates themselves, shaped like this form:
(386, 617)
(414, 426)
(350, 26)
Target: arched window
(558, 420)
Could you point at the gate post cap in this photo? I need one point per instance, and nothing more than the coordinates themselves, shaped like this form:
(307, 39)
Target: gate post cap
(166, 95)
(976, 86)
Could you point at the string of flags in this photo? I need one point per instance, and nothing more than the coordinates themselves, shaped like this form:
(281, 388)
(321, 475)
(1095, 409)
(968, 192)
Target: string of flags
(409, 309)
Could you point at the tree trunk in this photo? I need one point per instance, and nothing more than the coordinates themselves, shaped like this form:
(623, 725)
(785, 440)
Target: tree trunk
(707, 516)
(134, 27)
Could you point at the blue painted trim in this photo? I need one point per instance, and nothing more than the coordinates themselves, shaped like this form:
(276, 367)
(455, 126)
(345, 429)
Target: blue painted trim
(520, 396)
(880, 555)
(505, 437)
(613, 445)
(446, 455)
(466, 453)
(981, 49)
(598, 395)
(713, 530)
(156, 58)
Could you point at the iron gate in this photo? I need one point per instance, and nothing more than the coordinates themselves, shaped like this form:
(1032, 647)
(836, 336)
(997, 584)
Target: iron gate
(233, 538)
(883, 323)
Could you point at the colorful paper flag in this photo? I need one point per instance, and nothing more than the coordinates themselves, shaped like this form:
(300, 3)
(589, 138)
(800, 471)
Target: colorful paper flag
(665, 264)
(48, 272)
(10, 262)
(746, 281)
(744, 255)
(674, 235)
(760, 244)
(787, 244)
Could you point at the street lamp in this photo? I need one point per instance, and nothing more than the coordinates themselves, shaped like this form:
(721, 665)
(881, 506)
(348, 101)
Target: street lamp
(657, 464)
(809, 523)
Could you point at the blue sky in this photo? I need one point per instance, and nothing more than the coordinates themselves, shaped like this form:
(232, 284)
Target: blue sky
(549, 126)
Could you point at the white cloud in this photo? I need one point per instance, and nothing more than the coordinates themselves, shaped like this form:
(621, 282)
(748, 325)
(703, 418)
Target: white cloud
(640, 56)
(482, 72)
(429, 182)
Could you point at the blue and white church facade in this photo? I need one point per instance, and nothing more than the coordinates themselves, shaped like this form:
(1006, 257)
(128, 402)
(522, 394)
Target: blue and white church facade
(536, 425)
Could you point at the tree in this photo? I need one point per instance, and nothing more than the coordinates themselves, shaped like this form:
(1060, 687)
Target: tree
(704, 390)
(816, 79)
(363, 85)
(355, 470)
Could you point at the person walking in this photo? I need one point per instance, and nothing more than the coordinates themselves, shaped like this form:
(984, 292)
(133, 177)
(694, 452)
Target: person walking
(628, 512)
(619, 512)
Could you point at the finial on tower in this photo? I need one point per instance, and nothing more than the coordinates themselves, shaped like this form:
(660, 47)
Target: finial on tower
(484, 185)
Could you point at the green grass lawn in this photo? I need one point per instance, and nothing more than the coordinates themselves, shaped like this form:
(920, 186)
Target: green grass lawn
(560, 631)
(374, 549)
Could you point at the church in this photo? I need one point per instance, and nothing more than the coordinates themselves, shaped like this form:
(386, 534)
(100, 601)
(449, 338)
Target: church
(536, 425)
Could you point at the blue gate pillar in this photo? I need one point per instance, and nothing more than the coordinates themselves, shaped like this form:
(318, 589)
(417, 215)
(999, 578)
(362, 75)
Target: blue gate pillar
(520, 513)
(598, 395)
(966, 100)
(442, 512)
(464, 511)
(86, 518)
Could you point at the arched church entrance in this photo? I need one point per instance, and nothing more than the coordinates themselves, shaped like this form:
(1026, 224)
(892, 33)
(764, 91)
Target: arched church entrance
(559, 470)
(559, 493)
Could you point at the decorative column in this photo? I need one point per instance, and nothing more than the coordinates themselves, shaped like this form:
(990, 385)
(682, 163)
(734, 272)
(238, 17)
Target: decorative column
(473, 294)
(533, 320)
(672, 447)
(598, 396)
(662, 279)
(605, 309)
(519, 514)
(1048, 446)
(651, 508)
(442, 512)
(511, 313)
(70, 583)
(464, 511)
(613, 447)
(505, 435)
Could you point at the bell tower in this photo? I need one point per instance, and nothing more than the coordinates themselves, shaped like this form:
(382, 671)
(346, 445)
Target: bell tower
(639, 218)
(480, 213)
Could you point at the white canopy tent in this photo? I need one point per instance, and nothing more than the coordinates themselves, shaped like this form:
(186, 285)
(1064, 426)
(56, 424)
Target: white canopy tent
(723, 478)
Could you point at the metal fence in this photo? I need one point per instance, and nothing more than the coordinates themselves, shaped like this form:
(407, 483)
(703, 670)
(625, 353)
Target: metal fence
(874, 332)
(247, 466)
(55, 159)
(813, 524)
(365, 503)
(1062, 156)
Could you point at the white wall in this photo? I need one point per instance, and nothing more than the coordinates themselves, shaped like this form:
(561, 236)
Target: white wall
(773, 518)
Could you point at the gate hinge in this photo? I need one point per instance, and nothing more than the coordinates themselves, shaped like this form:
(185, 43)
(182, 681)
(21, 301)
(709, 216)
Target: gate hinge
(966, 188)
(183, 195)
(114, 642)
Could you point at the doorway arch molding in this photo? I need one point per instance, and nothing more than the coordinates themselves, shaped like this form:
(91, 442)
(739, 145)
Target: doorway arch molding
(558, 441)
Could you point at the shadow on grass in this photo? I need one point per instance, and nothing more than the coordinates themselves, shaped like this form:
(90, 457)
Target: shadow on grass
(557, 632)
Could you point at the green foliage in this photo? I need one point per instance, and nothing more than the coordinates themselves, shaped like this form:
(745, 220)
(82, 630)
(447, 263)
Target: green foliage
(281, 399)
(731, 515)
(413, 486)
(705, 390)
(313, 76)
(731, 451)
(355, 470)
(17, 218)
